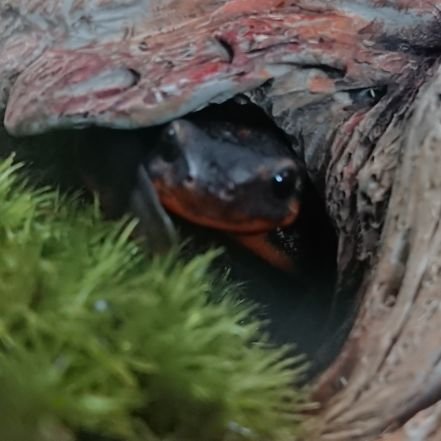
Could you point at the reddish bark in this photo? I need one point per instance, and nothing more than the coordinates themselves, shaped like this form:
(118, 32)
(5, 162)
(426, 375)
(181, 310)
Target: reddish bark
(394, 371)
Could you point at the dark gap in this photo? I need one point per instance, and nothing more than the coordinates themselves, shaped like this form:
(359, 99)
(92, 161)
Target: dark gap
(226, 46)
(331, 72)
(135, 75)
(301, 308)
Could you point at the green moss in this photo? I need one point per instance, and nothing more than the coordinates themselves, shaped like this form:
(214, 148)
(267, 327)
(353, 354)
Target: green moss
(95, 339)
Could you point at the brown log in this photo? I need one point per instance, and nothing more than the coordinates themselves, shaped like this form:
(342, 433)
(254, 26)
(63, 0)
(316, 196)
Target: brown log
(424, 426)
(390, 367)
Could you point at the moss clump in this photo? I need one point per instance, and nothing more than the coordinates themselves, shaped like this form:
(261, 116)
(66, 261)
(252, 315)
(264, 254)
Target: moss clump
(96, 342)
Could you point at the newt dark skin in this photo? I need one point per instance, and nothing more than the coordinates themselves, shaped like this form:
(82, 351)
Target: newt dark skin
(228, 177)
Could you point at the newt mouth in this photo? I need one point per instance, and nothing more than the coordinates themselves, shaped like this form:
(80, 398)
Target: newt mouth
(189, 206)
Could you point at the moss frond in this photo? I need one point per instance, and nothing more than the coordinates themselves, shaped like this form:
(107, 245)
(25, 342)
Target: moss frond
(95, 339)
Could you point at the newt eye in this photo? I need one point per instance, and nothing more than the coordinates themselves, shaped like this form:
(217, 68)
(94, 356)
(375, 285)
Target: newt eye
(284, 183)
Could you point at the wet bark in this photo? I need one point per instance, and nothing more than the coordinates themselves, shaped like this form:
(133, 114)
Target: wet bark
(390, 367)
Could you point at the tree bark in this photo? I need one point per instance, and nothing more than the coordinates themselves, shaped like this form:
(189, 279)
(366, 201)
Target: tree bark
(390, 367)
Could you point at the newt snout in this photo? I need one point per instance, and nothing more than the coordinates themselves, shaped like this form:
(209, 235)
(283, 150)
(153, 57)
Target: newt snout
(225, 182)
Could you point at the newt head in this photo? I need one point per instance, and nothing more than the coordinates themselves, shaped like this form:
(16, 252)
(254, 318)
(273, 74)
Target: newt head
(232, 179)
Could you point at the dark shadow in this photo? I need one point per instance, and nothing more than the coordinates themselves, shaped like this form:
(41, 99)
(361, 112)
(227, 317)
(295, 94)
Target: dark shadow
(301, 308)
